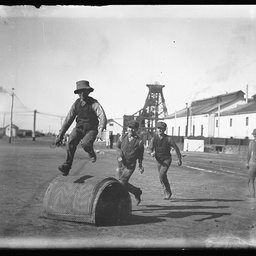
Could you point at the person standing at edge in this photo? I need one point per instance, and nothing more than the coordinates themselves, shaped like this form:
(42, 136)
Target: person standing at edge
(160, 148)
(90, 121)
(129, 149)
(251, 165)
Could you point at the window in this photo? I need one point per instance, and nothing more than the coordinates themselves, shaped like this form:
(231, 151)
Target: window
(247, 121)
(172, 131)
(111, 124)
(194, 130)
(216, 123)
(202, 130)
(230, 122)
(179, 131)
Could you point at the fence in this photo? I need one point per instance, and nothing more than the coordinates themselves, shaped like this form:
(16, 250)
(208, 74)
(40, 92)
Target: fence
(219, 145)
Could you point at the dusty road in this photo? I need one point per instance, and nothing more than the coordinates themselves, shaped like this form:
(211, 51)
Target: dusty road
(208, 209)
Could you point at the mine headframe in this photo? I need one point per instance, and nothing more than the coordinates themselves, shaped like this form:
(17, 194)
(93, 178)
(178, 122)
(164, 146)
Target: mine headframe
(154, 110)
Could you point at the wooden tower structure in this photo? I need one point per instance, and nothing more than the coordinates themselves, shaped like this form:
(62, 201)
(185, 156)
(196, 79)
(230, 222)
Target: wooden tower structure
(154, 110)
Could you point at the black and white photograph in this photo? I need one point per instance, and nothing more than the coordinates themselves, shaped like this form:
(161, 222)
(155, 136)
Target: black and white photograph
(128, 126)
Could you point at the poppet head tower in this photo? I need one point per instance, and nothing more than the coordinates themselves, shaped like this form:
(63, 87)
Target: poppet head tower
(154, 110)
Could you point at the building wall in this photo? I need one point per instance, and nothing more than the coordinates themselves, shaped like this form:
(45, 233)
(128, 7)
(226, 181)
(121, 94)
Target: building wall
(239, 128)
(226, 128)
(211, 127)
(198, 126)
(176, 126)
(7, 131)
(114, 128)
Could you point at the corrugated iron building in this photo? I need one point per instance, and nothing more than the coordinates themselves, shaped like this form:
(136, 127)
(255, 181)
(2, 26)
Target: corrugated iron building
(227, 116)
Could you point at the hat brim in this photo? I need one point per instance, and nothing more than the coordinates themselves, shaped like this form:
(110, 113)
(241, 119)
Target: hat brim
(133, 127)
(76, 91)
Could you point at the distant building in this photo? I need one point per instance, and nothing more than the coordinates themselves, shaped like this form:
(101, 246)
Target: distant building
(114, 127)
(227, 115)
(15, 129)
(16, 132)
(240, 121)
(2, 132)
(113, 131)
(24, 133)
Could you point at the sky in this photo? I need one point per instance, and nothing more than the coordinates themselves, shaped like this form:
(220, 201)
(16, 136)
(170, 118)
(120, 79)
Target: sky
(195, 51)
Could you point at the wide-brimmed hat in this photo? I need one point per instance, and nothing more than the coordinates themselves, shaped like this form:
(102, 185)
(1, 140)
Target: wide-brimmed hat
(83, 85)
(161, 125)
(133, 124)
(254, 131)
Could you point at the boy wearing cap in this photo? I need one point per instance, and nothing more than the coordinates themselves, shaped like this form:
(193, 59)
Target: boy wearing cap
(160, 148)
(90, 122)
(251, 165)
(129, 149)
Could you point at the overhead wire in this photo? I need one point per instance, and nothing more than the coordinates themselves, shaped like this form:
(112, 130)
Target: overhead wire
(21, 104)
(47, 114)
(28, 112)
(38, 112)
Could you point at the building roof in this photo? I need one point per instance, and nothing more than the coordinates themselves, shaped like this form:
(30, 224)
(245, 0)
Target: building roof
(13, 126)
(112, 120)
(210, 105)
(247, 108)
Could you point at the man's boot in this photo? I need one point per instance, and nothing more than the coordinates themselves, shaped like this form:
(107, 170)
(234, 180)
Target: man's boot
(167, 195)
(92, 155)
(64, 169)
(137, 197)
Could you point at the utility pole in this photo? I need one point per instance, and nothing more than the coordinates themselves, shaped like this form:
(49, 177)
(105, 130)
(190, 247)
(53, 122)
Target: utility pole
(175, 117)
(4, 120)
(34, 127)
(10, 138)
(187, 119)
(219, 101)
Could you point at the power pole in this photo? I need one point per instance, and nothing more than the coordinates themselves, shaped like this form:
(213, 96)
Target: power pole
(10, 138)
(4, 120)
(219, 101)
(34, 127)
(186, 135)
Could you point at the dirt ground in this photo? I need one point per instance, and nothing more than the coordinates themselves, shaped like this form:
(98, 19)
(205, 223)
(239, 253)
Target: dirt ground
(207, 209)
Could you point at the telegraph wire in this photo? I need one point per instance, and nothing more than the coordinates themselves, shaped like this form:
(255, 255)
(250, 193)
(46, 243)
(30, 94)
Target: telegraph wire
(28, 112)
(8, 112)
(38, 112)
(47, 114)
(43, 113)
(21, 104)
